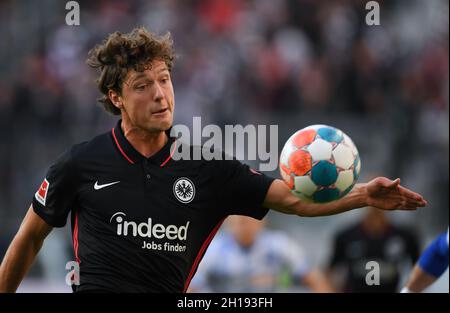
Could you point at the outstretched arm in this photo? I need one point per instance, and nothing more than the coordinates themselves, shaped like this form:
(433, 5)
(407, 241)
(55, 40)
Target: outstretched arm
(380, 192)
(22, 251)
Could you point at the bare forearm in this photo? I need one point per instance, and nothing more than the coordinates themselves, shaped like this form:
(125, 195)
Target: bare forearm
(17, 261)
(22, 251)
(419, 280)
(280, 198)
(355, 199)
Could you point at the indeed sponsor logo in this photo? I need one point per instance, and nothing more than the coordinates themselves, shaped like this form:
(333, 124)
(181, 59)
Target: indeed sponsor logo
(148, 229)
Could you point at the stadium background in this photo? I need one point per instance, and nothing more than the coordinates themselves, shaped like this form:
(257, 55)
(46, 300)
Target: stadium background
(288, 62)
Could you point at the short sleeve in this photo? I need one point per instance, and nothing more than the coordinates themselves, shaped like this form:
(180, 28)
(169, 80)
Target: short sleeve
(434, 260)
(54, 198)
(244, 189)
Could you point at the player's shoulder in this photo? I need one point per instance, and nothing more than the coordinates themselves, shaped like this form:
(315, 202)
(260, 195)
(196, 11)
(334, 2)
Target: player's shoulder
(97, 147)
(202, 157)
(201, 152)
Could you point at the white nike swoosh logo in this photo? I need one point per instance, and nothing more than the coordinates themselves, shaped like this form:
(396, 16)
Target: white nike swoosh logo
(98, 187)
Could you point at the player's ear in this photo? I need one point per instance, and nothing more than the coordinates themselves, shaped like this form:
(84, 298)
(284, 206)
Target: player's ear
(115, 98)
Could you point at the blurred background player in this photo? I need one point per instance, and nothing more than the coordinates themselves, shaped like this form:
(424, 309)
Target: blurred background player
(374, 238)
(432, 264)
(247, 257)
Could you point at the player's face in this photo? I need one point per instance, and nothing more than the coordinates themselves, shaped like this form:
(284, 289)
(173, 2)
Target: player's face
(148, 98)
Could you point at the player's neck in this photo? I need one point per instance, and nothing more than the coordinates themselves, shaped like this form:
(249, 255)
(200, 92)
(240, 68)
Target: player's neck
(145, 142)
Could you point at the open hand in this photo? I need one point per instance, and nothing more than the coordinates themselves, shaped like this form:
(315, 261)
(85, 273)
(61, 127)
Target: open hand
(386, 194)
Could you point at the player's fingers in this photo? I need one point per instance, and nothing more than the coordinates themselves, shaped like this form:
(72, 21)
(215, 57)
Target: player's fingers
(410, 194)
(405, 205)
(410, 206)
(398, 202)
(422, 203)
(413, 204)
(412, 201)
(401, 202)
(394, 202)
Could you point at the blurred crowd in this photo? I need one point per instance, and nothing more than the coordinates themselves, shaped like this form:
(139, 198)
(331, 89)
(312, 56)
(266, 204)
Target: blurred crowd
(285, 62)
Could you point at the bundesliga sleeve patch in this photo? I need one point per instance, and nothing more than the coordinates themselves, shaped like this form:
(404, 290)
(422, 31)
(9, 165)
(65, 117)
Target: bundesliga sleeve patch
(41, 194)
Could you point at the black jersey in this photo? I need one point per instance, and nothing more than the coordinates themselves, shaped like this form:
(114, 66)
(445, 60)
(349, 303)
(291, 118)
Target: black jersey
(393, 249)
(143, 224)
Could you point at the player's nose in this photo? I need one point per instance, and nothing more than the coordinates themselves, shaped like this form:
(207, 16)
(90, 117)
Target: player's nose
(158, 94)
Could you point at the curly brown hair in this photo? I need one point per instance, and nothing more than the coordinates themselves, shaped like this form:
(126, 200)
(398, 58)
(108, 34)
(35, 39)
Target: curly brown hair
(120, 53)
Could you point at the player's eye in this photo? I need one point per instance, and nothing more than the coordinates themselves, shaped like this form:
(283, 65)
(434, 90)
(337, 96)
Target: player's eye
(165, 80)
(140, 87)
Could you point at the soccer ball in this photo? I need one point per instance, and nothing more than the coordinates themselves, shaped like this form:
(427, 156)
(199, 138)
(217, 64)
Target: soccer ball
(320, 163)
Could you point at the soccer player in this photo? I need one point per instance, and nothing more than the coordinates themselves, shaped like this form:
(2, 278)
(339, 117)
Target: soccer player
(431, 265)
(374, 238)
(141, 221)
